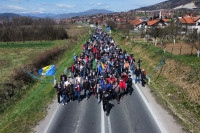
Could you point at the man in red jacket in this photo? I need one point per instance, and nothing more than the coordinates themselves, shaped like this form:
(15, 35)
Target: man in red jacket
(111, 79)
(122, 86)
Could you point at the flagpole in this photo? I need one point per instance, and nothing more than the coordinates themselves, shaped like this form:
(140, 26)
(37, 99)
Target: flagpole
(54, 80)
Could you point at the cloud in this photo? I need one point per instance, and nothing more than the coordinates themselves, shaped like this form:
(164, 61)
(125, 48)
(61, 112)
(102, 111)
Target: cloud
(91, 3)
(10, 0)
(102, 5)
(65, 6)
(106, 7)
(11, 8)
(14, 7)
(99, 4)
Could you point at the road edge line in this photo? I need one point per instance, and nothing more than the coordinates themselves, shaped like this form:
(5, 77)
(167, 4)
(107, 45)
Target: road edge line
(102, 120)
(160, 126)
(49, 123)
(109, 125)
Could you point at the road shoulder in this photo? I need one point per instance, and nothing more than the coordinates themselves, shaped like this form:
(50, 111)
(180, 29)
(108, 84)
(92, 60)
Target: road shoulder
(44, 124)
(163, 117)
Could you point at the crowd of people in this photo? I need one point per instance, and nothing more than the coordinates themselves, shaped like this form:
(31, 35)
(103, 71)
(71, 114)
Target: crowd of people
(103, 69)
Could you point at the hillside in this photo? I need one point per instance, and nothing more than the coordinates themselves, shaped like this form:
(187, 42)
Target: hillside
(89, 12)
(172, 4)
(56, 16)
(7, 15)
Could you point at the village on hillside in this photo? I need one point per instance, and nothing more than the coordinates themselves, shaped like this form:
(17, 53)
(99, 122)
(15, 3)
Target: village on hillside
(140, 20)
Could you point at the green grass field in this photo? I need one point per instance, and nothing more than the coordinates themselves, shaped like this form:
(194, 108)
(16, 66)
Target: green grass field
(17, 54)
(24, 113)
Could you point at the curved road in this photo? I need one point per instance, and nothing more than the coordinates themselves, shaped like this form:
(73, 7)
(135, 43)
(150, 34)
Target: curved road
(130, 116)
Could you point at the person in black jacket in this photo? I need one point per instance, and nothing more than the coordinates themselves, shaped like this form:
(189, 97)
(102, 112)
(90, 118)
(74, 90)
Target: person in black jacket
(129, 85)
(137, 75)
(86, 87)
(93, 86)
(105, 98)
(143, 77)
(71, 91)
(139, 62)
(63, 77)
(64, 94)
(59, 88)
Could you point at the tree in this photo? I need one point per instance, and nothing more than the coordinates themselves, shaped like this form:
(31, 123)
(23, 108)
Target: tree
(154, 32)
(111, 24)
(163, 32)
(192, 38)
(173, 30)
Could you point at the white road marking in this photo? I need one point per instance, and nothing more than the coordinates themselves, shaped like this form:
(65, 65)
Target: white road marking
(109, 125)
(49, 123)
(102, 120)
(160, 126)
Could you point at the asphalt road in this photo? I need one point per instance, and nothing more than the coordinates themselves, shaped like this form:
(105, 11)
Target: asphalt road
(130, 116)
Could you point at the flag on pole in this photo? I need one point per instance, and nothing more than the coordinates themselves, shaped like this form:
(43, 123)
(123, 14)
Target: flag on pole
(101, 68)
(48, 70)
(102, 65)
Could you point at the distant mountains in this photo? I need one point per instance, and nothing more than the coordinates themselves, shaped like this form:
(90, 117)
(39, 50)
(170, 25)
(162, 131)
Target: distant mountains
(173, 4)
(7, 15)
(89, 12)
(57, 16)
(38, 15)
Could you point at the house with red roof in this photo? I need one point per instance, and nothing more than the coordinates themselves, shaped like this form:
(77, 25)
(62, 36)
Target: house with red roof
(138, 24)
(156, 23)
(189, 23)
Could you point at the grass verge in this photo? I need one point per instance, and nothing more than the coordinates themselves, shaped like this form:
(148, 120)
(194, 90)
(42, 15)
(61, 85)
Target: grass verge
(25, 114)
(175, 85)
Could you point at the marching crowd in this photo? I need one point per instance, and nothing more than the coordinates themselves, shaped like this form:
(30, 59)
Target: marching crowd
(103, 69)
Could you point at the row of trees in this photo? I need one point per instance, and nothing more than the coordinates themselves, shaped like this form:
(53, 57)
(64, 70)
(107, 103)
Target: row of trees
(171, 32)
(28, 29)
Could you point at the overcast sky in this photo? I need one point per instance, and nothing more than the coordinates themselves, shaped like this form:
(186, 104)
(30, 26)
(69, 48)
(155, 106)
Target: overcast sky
(70, 6)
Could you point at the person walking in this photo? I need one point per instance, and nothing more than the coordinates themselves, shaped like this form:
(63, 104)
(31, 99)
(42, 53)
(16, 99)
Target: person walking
(133, 67)
(86, 88)
(129, 85)
(63, 77)
(137, 75)
(71, 92)
(116, 88)
(78, 89)
(105, 99)
(64, 94)
(122, 86)
(143, 77)
(98, 92)
(59, 88)
(126, 65)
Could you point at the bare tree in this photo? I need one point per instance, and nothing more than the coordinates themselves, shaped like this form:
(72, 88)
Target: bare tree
(192, 39)
(111, 24)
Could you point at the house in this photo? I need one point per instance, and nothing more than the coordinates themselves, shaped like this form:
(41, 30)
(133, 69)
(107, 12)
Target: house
(189, 23)
(138, 24)
(196, 20)
(166, 21)
(156, 23)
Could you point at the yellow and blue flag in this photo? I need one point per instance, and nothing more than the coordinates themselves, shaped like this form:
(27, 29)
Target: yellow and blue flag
(102, 65)
(101, 68)
(48, 70)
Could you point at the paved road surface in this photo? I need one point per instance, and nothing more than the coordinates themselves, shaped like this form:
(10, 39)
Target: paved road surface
(130, 116)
